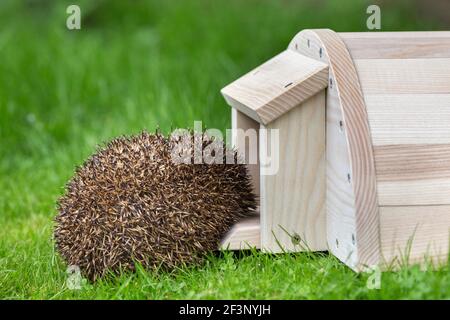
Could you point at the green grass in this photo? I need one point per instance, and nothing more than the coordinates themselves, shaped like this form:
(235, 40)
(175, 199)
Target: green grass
(137, 66)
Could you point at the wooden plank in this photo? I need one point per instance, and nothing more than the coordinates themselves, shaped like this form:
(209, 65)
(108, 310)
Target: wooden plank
(388, 47)
(410, 133)
(244, 235)
(398, 76)
(415, 232)
(412, 162)
(395, 35)
(414, 192)
(341, 219)
(242, 108)
(277, 86)
(409, 118)
(247, 144)
(293, 199)
(326, 46)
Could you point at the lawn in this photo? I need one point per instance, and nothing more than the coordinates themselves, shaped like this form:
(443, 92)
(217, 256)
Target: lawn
(136, 66)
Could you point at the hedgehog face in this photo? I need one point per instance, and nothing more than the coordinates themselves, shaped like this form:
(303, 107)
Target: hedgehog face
(129, 202)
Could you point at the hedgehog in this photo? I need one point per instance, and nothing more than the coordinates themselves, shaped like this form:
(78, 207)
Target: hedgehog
(130, 202)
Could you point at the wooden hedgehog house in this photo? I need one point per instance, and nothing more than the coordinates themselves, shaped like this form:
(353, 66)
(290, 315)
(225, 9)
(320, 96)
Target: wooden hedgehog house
(364, 147)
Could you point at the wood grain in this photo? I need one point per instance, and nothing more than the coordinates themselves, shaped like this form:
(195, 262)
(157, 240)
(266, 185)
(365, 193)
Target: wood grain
(247, 147)
(414, 192)
(293, 200)
(412, 162)
(409, 118)
(411, 137)
(395, 35)
(277, 86)
(244, 235)
(341, 220)
(413, 174)
(403, 76)
(374, 46)
(416, 232)
(326, 45)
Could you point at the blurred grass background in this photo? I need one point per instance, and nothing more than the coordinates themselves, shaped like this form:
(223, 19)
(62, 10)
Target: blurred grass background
(135, 65)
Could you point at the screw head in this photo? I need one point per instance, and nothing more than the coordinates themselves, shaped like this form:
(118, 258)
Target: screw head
(295, 239)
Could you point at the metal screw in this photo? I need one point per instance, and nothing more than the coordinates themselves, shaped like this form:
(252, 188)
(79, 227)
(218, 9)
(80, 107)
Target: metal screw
(341, 126)
(353, 239)
(320, 52)
(331, 83)
(296, 239)
(348, 177)
(337, 243)
(309, 43)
